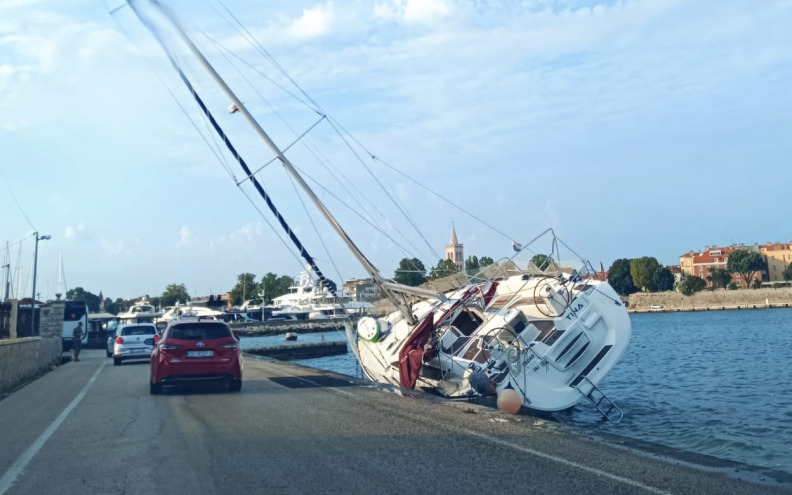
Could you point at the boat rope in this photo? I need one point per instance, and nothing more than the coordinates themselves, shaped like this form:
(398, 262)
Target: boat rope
(331, 286)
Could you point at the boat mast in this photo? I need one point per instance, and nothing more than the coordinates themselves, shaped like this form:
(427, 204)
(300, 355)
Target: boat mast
(392, 291)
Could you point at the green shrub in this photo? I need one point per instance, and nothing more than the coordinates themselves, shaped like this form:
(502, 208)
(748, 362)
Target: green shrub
(732, 286)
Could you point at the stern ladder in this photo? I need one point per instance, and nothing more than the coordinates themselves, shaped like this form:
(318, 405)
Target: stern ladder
(598, 399)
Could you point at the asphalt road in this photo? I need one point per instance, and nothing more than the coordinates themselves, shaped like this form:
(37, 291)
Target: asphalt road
(91, 427)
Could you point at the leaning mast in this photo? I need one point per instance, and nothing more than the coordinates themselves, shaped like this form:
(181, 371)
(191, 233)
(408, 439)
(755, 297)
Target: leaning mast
(390, 289)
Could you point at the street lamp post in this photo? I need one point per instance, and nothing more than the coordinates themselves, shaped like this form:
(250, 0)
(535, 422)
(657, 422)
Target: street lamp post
(33, 297)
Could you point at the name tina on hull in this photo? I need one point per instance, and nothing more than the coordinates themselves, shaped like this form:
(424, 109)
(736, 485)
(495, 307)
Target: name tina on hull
(540, 341)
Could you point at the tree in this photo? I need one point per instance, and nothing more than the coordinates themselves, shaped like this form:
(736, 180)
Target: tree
(472, 265)
(541, 261)
(663, 280)
(720, 277)
(642, 271)
(244, 289)
(410, 272)
(619, 277)
(444, 268)
(485, 261)
(80, 294)
(691, 284)
(174, 293)
(110, 306)
(272, 286)
(745, 263)
(787, 273)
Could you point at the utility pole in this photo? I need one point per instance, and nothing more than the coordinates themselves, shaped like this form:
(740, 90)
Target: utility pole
(33, 297)
(7, 277)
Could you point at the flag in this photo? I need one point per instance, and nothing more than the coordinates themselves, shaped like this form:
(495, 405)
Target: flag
(517, 247)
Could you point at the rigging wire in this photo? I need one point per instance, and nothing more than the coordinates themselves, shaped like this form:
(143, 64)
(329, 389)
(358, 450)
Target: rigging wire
(20, 241)
(16, 201)
(335, 173)
(199, 101)
(313, 224)
(316, 107)
(215, 149)
(438, 195)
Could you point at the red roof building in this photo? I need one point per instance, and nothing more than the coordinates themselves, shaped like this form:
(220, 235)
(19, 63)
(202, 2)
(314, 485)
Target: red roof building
(702, 263)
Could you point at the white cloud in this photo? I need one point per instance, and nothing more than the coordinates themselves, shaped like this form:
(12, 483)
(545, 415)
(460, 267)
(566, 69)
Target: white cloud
(248, 233)
(417, 11)
(313, 22)
(112, 248)
(77, 231)
(186, 238)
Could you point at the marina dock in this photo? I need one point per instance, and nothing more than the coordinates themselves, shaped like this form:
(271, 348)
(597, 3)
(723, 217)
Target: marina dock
(301, 351)
(300, 430)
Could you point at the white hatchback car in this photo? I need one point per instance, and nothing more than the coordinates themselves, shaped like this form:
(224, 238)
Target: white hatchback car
(133, 341)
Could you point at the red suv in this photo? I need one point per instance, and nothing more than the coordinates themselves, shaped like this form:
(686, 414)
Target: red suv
(196, 351)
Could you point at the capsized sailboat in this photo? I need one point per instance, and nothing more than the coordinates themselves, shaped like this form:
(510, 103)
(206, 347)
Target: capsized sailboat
(539, 339)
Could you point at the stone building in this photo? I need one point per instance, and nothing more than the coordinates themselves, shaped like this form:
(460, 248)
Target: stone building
(778, 256)
(363, 290)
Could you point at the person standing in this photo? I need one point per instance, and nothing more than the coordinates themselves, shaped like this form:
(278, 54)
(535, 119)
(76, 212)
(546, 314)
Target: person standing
(77, 335)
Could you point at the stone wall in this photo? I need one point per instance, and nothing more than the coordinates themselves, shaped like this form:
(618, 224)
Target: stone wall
(22, 360)
(715, 299)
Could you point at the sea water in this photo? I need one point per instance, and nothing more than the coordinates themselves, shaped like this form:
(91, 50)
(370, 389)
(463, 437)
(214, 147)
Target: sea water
(717, 383)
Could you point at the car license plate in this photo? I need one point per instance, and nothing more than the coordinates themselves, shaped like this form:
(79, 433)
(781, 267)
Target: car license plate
(200, 354)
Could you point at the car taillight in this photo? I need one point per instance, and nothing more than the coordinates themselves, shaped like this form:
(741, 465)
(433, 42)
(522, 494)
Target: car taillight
(119, 340)
(227, 346)
(170, 347)
(156, 339)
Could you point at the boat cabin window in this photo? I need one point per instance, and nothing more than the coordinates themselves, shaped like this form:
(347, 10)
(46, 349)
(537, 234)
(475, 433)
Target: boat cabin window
(467, 322)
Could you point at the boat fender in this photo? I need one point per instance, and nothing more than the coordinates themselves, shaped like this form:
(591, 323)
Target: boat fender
(372, 330)
(509, 400)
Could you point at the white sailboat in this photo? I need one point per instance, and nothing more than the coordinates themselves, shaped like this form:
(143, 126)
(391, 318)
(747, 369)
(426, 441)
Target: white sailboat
(540, 340)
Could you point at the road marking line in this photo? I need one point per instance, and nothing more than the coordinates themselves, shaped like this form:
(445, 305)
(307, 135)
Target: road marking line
(16, 469)
(561, 460)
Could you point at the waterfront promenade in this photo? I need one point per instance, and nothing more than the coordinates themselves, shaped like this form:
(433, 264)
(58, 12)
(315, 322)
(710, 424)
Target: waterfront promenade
(88, 427)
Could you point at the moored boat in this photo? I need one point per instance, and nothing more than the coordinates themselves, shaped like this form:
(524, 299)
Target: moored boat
(543, 340)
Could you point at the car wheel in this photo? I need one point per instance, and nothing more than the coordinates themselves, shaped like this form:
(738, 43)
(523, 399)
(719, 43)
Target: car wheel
(109, 354)
(155, 388)
(235, 385)
(116, 361)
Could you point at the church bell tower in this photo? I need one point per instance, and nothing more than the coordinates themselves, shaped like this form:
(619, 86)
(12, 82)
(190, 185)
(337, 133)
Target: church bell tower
(455, 251)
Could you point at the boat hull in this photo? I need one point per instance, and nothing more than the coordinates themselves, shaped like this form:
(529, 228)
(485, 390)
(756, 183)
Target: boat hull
(549, 339)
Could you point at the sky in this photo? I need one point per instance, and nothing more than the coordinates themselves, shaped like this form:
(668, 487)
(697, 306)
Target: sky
(631, 128)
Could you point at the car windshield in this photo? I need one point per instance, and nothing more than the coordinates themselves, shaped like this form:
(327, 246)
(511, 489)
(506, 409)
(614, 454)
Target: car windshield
(138, 330)
(199, 331)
